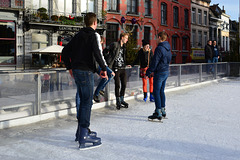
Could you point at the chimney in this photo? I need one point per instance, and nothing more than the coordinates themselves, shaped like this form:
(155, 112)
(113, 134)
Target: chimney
(223, 9)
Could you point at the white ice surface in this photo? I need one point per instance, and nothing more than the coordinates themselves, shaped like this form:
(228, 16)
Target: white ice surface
(203, 124)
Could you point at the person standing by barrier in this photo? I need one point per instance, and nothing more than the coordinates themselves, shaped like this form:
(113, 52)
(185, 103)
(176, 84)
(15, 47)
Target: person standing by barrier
(208, 55)
(115, 55)
(80, 56)
(215, 52)
(104, 81)
(160, 67)
(145, 55)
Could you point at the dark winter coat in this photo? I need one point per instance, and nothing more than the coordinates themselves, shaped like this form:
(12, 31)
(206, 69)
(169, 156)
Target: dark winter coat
(83, 51)
(208, 52)
(143, 58)
(111, 53)
(161, 59)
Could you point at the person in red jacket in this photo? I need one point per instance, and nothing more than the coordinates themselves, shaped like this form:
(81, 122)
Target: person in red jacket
(144, 55)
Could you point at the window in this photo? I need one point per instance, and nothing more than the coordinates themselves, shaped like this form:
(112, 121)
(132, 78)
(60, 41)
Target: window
(226, 43)
(132, 6)
(7, 42)
(112, 33)
(186, 15)
(5, 3)
(205, 39)
(184, 43)
(174, 42)
(175, 16)
(147, 33)
(134, 32)
(200, 39)
(163, 13)
(193, 38)
(147, 7)
(193, 15)
(205, 18)
(199, 16)
(87, 6)
(224, 39)
(112, 5)
(39, 4)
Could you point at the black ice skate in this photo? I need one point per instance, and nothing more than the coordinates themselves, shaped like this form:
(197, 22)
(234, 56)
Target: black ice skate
(86, 141)
(91, 133)
(125, 104)
(156, 116)
(118, 103)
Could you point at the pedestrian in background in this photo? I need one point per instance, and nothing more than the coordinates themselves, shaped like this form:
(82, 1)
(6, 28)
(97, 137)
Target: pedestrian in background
(80, 56)
(160, 67)
(208, 55)
(215, 51)
(144, 55)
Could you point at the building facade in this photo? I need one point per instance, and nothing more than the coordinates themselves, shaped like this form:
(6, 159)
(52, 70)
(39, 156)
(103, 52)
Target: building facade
(145, 18)
(37, 24)
(199, 28)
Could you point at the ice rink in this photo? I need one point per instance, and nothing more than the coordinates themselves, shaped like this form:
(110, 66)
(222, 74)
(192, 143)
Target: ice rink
(203, 124)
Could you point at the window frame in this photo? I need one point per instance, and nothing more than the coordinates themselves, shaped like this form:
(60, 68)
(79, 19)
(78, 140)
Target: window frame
(130, 7)
(111, 9)
(163, 12)
(175, 16)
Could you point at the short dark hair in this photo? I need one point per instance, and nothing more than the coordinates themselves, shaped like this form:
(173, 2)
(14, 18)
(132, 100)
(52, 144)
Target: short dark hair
(90, 18)
(163, 35)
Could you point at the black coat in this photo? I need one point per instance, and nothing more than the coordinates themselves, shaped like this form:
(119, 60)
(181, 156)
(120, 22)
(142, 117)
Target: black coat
(83, 51)
(208, 52)
(143, 58)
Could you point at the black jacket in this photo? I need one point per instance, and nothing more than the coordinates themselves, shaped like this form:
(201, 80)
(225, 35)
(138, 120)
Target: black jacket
(208, 52)
(83, 51)
(111, 52)
(143, 57)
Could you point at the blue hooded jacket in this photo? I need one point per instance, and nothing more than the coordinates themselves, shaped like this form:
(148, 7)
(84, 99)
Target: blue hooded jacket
(161, 59)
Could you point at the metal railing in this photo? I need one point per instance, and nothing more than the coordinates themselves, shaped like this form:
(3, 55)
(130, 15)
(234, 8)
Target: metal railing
(30, 93)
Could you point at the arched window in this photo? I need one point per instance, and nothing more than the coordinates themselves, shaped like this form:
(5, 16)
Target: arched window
(174, 42)
(163, 13)
(186, 20)
(175, 16)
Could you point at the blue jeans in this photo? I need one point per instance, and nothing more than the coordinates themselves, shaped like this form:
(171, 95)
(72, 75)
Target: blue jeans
(85, 83)
(77, 101)
(215, 59)
(209, 66)
(103, 81)
(159, 82)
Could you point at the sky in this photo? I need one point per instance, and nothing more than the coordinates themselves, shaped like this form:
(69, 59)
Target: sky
(231, 7)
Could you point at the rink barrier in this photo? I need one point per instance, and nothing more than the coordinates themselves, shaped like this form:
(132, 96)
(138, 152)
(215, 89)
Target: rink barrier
(42, 94)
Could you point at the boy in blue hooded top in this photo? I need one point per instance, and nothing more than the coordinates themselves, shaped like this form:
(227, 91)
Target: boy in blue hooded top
(160, 67)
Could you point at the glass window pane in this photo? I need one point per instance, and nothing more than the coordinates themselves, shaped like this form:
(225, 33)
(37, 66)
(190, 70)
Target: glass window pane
(35, 4)
(7, 29)
(61, 6)
(44, 4)
(83, 6)
(90, 5)
(69, 7)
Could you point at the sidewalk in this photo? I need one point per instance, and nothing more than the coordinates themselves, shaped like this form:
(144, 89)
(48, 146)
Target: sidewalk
(203, 123)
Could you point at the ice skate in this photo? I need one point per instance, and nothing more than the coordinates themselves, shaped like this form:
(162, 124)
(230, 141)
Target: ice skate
(91, 133)
(125, 104)
(102, 92)
(118, 103)
(163, 112)
(156, 116)
(151, 98)
(86, 141)
(145, 96)
(96, 98)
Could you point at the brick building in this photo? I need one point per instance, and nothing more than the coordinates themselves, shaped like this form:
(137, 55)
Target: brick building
(151, 17)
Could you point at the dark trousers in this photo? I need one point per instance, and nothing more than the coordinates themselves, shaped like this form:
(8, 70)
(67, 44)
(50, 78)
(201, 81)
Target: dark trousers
(120, 77)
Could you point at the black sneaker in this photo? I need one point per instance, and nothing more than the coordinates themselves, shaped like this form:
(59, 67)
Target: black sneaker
(101, 92)
(96, 98)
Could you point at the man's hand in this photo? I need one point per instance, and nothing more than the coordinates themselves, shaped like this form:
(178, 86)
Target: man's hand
(70, 72)
(103, 74)
(113, 74)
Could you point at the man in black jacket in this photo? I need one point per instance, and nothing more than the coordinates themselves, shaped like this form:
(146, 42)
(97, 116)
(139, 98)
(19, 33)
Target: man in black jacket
(208, 55)
(115, 56)
(80, 56)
